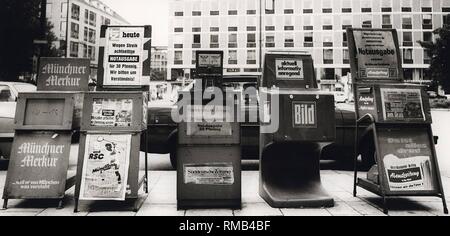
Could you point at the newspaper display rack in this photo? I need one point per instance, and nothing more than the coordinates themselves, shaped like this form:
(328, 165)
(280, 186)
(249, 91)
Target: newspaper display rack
(114, 125)
(398, 120)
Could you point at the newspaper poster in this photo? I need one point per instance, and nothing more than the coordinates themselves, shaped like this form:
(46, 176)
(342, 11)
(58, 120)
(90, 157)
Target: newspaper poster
(124, 56)
(112, 112)
(407, 159)
(376, 54)
(105, 167)
(402, 104)
(289, 69)
(209, 174)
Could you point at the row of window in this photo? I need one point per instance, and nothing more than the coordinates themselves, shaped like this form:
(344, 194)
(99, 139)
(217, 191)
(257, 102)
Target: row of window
(309, 11)
(90, 35)
(88, 51)
(407, 23)
(328, 57)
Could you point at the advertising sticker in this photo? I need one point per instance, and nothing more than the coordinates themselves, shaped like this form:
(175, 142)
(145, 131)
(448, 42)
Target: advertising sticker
(38, 166)
(105, 167)
(112, 112)
(209, 174)
(402, 104)
(124, 57)
(407, 160)
(376, 54)
(289, 69)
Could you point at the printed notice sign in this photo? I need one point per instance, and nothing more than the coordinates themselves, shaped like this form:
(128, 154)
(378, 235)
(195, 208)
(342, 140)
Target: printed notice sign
(376, 54)
(38, 166)
(407, 159)
(289, 69)
(63, 74)
(210, 60)
(124, 57)
(112, 112)
(105, 167)
(402, 104)
(209, 174)
(209, 129)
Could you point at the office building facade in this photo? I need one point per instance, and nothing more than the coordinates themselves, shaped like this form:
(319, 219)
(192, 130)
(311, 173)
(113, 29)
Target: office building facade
(315, 26)
(78, 23)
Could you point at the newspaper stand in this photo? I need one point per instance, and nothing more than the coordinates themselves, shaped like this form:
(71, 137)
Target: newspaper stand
(397, 116)
(208, 152)
(123, 77)
(132, 124)
(39, 163)
(290, 155)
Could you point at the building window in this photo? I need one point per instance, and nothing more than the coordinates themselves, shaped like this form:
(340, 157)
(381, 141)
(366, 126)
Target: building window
(92, 18)
(179, 13)
(86, 16)
(251, 57)
(288, 11)
(196, 41)
(233, 29)
(75, 30)
(327, 39)
(214, 41)
(408, 56)
(328, 56)
(406, 5)
(92, 36)
(327, 23)
(346, 6)
(74, 49)
(232, 12)
(214, 29)
(366, 10)
(251, 12)
(232, 57)
(426, 56)
(178, 30)
(232, 41)
(407, 39)
(308, 40)
(427, 36)
(196, 29)
(251, 40)
(386, 5)
(327, 6)
(346, 56)
(86, 34)
(251, 28)
(344, 39)
(347, 22)
(445, 20)
(178, 58)
(214, 13)
(407, 22)
(427, 5)
(75, 12)
(386, 22)
(270, 41)
(289, 41)
(427, 21)
(196, 13)
(91, 53)
(307, 6)
(194, 57)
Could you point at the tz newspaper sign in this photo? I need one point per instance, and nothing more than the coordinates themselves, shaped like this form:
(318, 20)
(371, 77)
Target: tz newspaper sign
(375, 54)
(63, 74)
(125, 57)
(38, 166)
(105, 167)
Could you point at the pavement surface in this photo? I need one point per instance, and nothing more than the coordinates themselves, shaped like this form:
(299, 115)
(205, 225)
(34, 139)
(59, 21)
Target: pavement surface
(337, 179)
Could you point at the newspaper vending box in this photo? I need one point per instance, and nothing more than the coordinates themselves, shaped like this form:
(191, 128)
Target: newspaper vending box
(297, 119)
(398, 120)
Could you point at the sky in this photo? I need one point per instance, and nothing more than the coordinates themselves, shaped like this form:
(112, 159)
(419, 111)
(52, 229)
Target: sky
(145, 12)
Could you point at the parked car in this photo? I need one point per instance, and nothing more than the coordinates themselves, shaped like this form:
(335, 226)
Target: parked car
(9, 92)
(340, 97)
(163, 130)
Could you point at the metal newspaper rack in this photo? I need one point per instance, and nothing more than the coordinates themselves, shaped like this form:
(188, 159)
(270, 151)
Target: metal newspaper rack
(114, 125)
(398, 120)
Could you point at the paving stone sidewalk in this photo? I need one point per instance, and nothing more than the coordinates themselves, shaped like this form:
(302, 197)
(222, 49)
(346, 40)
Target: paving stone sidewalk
(162, 201)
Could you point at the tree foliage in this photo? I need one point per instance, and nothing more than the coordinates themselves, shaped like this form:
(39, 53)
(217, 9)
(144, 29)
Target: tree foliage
(19, 26)
(439, 52)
